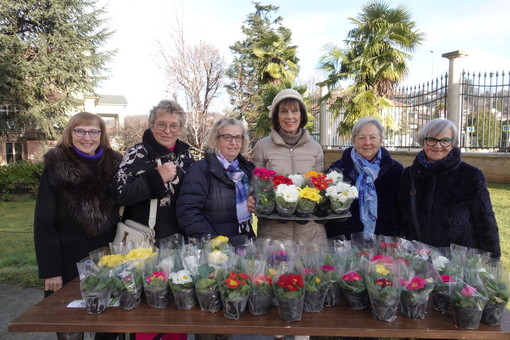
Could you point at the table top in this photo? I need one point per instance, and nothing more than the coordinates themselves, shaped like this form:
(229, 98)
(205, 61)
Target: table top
(52, 315)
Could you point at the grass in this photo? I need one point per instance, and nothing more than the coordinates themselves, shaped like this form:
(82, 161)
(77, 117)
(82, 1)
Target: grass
(18, 265)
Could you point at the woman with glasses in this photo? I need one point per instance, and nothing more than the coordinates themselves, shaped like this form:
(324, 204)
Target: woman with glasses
(154, 169)
(213, 197)
(444, 200)
(368, 166)
(74, 213)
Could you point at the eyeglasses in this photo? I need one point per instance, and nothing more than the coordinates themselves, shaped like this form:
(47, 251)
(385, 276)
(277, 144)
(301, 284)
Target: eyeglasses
(228, 138)
(92, 133)
(445, 142)
(161, 126)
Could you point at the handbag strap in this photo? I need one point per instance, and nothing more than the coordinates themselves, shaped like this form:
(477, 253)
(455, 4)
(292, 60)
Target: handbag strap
(416, 224)
(153, 210)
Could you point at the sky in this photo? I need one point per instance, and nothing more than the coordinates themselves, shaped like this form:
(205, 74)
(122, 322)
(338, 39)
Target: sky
(480, 28)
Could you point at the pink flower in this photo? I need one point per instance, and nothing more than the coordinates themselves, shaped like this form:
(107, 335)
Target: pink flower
(327, 268)
(416, 283)
(468, 291)
(352, 276)
(309, 271)
(263, 173)
(382, 259)
(447, 278)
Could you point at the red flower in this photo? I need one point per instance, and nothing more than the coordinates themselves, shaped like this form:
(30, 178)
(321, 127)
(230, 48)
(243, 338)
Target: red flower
(447, 278)
(236, 280)
(327, 268)
(290, 282)
(468, 291)
(277, 180)
(321, 182)
(383, 283)
(352, 276)
(382, 259)
(263, 173)
(384, 245)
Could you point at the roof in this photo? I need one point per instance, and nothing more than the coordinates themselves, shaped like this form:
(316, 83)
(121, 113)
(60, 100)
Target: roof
(109, 99)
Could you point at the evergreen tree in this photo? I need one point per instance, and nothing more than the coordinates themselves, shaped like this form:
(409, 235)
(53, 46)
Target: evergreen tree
(265, 56)
(374, 59)
(50, 57)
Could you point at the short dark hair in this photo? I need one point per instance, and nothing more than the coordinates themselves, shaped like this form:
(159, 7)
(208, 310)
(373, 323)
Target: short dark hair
(302, 110)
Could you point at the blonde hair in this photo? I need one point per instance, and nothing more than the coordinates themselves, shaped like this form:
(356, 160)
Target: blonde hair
(84, 119)
(211, 143)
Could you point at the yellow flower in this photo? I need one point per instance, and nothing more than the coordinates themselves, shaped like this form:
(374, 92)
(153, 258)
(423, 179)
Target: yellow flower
(139, 253)
(310, 193)
(219, 241)
(310, 174)
(381, 269)
(111, 260)
(271, 272)
(317, 280)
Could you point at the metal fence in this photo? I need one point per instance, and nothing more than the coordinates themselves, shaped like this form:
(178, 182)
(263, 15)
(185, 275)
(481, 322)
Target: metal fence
(485, 113)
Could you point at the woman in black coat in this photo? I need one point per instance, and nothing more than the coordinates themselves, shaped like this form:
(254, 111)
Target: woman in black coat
(74, 213)
(213, 197)
(140, 178)
(452, 201)
(367, 137)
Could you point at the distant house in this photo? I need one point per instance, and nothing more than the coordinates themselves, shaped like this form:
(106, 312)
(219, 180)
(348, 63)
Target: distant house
(30, 148)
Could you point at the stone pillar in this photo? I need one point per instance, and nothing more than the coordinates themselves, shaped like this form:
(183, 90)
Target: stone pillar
(453, 106)
(323, 126)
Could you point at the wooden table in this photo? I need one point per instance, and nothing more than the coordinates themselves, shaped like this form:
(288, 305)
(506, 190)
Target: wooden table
(51, 315)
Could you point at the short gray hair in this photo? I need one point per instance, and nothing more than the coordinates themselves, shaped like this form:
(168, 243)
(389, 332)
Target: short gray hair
(364, 121)
(211, 143)
(167, 106)
(436, 127)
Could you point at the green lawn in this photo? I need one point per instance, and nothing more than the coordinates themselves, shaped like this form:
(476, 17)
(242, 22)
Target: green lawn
(18, 266)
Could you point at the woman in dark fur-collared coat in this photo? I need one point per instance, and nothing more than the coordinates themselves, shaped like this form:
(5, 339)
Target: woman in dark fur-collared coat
(452, 202)
(74, 213)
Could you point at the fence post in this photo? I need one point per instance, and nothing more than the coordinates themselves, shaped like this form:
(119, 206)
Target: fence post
(323, 126)
(453, 105)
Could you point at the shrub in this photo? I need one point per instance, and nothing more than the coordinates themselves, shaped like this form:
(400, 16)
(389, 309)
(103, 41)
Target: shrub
(21, 177)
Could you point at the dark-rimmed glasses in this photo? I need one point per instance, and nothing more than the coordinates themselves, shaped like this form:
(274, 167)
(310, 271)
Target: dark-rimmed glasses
(444, 142)
(161, 126)
(228, 138)
(92, 133)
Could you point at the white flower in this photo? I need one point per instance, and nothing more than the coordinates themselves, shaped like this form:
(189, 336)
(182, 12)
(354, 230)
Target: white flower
(342, 192)
(335, 177)
(217, 257)
(439, 262)
(297, 179)
(181, 277)
(289, 193)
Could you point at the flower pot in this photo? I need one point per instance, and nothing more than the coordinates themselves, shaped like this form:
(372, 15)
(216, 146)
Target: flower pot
(339, 208)
(184, 299)
(304, 212)
(492, 314)
(234, 309)
(157, 297)
(290, 310)
(265, 210)
(412, 307)
(129, 299)
(96, 302)
(441, 301)
(384, 310)
(259, 303)
(286, 211)
(356, 301)
(314, 302)
(209, 300)
(333, 296)
(322, 208)
(467, 317)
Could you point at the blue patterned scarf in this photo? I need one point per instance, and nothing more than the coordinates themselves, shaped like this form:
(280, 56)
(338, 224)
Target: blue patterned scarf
(367, 195)
(242, 184)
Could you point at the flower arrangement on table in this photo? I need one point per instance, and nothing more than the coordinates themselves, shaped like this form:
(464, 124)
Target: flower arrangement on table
(155, 285)
(235, 289)
(331, 267)
(183, 289)
(316, 287)
(448, 272)
(495, 281)
(264, 194)
(415, 292)
(382, 277)
(289, 291)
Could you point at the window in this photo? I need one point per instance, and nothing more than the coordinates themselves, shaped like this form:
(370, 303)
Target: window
(13, 152)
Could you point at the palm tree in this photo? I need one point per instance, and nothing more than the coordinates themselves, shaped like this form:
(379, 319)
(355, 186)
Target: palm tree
(375, 60)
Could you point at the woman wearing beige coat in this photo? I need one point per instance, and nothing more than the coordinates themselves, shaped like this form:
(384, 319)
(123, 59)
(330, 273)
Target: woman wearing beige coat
(289, 149)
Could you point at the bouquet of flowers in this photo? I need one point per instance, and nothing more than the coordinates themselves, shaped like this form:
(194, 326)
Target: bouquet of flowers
(353, 286)
(286, 199)
(155, 286)
(289, 291)
(467, 304)
(235, 289)
(183, 289)
(264, 194)
(320, 182)
(495, 280)
(261, 292)
(308, 200)
(382, 274)
(341, 195)
(416, 290)
(332, 265)
(448, 272)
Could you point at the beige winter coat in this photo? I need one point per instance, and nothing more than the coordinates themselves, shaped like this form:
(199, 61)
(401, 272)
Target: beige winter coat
(272, 153)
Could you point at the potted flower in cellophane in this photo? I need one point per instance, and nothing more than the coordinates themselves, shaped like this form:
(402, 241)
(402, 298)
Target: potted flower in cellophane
(182, 284)
(495, 279)
(316, 286)
(416, 288)
(320, 182)
(333, 264)
(289, 290)
(286, 199)
(96, 282)
(382, 277)
(307, 201)
(467, 303)
(234, 286)
(261, 293)
(448, 273)
(263, 191)
(341, 195)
